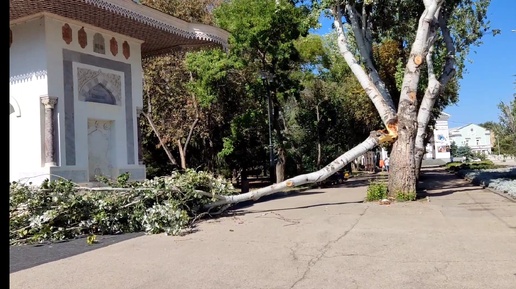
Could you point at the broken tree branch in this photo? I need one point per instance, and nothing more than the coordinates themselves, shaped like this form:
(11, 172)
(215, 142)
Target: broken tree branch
(374, 139)
(381, 100)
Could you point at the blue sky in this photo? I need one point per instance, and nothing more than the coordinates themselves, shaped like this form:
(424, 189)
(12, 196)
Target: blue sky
(491, 69)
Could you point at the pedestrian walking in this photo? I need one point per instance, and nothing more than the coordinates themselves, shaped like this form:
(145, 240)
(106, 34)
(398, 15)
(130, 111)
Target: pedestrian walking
(387, 161)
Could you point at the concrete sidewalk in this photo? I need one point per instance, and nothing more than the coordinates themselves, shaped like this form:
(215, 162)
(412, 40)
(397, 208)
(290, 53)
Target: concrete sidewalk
(463, 237)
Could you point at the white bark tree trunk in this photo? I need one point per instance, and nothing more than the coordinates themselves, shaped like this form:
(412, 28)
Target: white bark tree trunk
(371, 142)
(163, 145)
(434, 88)
(318, 164)
(401, 125)
(182, 148)
(380, 97)
(402, 178)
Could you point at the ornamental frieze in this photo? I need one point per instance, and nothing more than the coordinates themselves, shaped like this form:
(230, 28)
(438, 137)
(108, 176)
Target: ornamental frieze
(67, 33)
(83, 37)
(113, 46)
(126, 50)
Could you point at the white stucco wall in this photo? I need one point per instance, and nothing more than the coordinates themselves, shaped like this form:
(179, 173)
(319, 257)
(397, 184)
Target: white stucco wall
(38, 46)
(439, 144)
(475, 136)
(27, 82)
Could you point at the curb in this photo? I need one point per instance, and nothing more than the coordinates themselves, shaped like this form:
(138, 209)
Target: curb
(502, 194)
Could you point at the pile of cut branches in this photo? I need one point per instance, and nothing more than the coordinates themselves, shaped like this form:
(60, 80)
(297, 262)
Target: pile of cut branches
(60, 209)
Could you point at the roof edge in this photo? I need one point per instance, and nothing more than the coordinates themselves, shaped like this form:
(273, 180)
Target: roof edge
(50, 15)
(163, 21)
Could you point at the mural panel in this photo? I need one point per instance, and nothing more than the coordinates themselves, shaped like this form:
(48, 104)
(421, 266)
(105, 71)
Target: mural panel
(100, 148)
(98, 86)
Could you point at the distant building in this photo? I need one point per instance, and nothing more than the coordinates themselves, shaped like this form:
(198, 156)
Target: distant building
(474, 136)
(438, 146)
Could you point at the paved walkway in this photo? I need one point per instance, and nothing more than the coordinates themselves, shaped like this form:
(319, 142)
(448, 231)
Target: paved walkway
(463, 237)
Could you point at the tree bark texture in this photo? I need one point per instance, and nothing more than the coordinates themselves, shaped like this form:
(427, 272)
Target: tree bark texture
(182, 155)
(402, 177)
(402, 174)
(434, 88)
(280, 165)
(318, 137)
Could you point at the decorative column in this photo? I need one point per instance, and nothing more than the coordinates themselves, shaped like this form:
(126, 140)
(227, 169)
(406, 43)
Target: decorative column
(139, 134)
(49, 102)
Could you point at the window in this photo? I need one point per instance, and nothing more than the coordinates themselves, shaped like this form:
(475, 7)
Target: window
(99, 45)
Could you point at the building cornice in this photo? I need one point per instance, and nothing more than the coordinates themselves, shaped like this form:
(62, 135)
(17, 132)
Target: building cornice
(158, 31)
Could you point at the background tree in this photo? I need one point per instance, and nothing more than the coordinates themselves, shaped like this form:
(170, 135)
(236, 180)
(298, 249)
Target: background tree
(333, 112)
(463, 151)
(178, 127)
(507, 127)
(494, 128)
(262, 38)
(225, 81)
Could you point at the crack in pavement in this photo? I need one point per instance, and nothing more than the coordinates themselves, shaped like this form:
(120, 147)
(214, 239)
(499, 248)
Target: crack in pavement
(325, 249)
(280, 217)
(442, 271)
(293, 252)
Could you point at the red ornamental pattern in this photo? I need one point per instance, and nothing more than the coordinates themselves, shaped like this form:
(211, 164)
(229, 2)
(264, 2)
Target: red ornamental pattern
(67, 33)
(113, 46)
(126, 50)
(83, 38)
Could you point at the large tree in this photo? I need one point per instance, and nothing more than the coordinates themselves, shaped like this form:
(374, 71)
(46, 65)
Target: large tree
(435, 36)
(505, 130)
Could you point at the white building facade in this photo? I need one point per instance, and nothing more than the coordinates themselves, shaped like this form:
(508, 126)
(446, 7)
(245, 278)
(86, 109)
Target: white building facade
(438, 146)
(76, 85)
(474, 136)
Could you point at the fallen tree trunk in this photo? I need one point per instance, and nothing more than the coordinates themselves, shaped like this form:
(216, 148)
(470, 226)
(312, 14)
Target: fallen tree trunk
(375, 138)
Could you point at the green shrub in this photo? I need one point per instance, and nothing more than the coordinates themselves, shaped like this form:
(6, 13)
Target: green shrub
(482, 165)
(405, 197)
(377, 190)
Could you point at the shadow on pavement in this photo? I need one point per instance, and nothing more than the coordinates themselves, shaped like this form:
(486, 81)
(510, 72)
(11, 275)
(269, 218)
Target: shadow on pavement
(424, 194)
(244, 212)
(438, 178)
(27, 256)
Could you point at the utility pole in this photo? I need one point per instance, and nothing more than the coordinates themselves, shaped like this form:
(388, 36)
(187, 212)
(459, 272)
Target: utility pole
(265, 81)
(498, 141)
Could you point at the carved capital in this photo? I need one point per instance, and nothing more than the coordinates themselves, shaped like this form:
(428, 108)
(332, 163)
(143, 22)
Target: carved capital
(49, 101)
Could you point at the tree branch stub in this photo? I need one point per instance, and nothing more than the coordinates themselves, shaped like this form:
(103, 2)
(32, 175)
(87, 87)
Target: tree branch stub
(418, 59)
